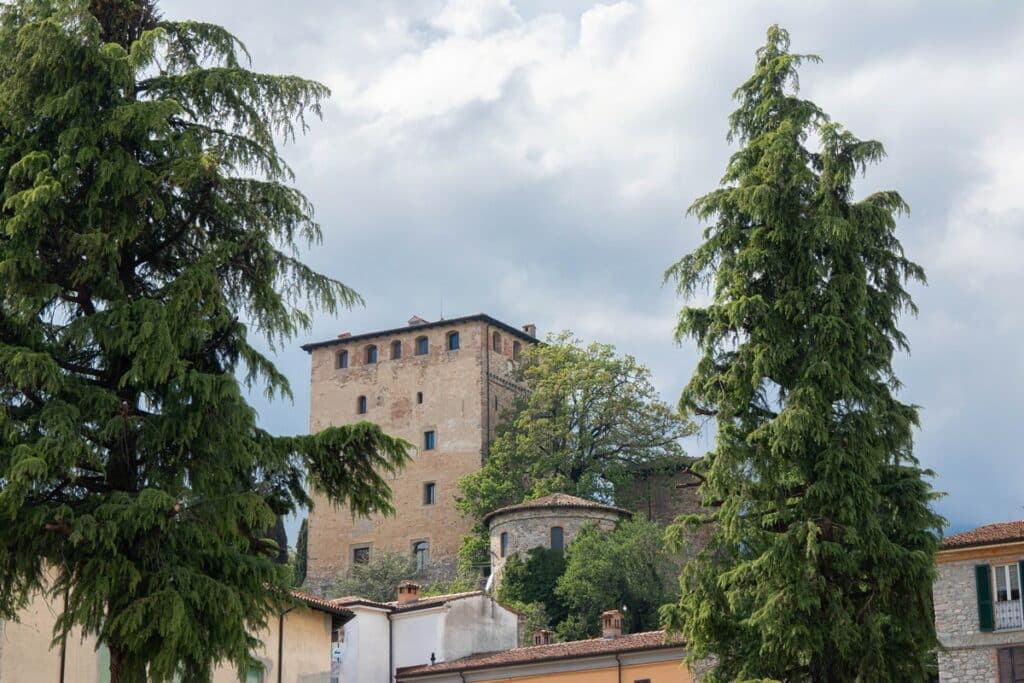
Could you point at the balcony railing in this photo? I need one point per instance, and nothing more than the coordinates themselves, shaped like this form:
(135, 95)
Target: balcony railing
(1008, 614)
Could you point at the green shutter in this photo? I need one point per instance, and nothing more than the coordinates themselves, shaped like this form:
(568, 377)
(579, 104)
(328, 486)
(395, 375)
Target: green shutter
(983, 581)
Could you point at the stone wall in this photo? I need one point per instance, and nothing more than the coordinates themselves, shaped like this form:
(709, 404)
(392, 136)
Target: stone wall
(967, 654)
(662, 497)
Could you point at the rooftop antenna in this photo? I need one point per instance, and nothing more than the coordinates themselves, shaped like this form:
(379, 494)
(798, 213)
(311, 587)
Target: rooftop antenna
(442, 307)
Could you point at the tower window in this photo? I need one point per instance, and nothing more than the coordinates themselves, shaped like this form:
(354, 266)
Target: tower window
(557, 539)
(371, 354)
(453, 341)
(422, 346)
(396, 350)
(342, 359)
(421, 551)
(361, 555)
(516, 349)
(503, 550)
(361, 405)
(428, 440)
(419, 397)
(496, 342)
(429, 493)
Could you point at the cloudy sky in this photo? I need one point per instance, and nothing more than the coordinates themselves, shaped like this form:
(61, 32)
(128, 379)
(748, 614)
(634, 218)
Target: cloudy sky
(533, 160)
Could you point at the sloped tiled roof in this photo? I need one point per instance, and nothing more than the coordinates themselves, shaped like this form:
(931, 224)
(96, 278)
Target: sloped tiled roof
(423, 326)
(408, 606)
(652, 640)
(323, 605)
(1002, 532)
(556, 501)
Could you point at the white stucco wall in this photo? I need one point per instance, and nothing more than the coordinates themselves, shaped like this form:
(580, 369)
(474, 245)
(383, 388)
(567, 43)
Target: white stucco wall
(417, 634)
(366, 646)
(478, 624)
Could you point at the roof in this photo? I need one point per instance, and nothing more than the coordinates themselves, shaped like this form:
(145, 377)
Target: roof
(556, 501)
(990, 534)
(408, 606)
(323, 605)
(652, 640)
(481, 317)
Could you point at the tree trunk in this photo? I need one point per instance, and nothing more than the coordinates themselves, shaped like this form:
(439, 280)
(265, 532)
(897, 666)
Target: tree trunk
(123, 669)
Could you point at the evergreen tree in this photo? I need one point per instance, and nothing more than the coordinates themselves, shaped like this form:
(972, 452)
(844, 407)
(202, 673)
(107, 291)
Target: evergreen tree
(821, 563)
(301, 554)
(147, 225)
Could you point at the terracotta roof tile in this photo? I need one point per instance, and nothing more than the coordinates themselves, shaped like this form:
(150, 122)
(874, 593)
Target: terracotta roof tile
(395, 606)
(323, 605)
(1002, 532)
(652, 640)
(556, 500)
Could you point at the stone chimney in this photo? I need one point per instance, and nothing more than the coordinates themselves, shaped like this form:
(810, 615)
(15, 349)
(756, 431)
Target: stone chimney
(611, 624)
(542, 636)
(408, 591)
(344, 335)
(530, 329)
(416, 320)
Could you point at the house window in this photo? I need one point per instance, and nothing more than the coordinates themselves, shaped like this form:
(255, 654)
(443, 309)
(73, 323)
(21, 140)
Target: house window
(419, 397)
(361, 405)
(516, 349)
(557, 539)
(421, 551)
(496, 342)
(428, 440)
(429, 493)
(342, 359)
(396, 350)
(361, 555)
(1007, 596)
(1011, 664)
(422, 346)
(453, 341)
(503, 550)
(371, 355)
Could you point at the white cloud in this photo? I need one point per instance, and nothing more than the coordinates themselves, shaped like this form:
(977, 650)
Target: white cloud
(476, 17)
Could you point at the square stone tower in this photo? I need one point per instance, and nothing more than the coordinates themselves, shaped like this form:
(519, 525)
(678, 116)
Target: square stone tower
(439, 385)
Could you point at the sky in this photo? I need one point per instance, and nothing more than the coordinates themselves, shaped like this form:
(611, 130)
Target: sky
(534, 161)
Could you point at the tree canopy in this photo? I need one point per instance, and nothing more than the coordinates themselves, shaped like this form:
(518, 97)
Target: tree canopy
(821, 562)
(147, 227)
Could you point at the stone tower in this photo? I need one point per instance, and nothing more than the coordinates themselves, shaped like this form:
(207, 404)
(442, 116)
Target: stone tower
(439, 385)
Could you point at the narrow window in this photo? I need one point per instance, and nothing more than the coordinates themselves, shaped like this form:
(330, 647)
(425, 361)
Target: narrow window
(361, 555)
(422, 346)
(504, 544)
(557, 539)
(429, 491)
(516, 348)
(419, 397)
(361, 405)
(343, 359)
(496, 342)
(1007, 603)
(421, 551)
(371, 354)
(428, 440)
(396, 350)
(453, 341)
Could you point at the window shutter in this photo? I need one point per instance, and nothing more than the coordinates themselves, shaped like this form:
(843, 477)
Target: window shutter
(983, 582)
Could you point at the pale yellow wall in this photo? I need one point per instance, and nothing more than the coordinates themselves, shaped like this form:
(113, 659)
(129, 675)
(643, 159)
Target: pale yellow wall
(671, 671)
(307, 650)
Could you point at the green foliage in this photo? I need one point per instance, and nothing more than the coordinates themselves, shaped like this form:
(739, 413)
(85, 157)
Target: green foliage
(377, 578)
(461, 583)
(821, 564)
(534, 581)
(301, 554)
(146, 228)
(534, 617)
(629, 566)
(588, 421)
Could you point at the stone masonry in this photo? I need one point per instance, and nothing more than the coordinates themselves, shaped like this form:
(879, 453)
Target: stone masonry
(456, 394)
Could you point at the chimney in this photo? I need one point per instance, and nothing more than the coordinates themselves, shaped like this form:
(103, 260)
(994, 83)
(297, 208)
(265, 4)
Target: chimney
(344, 335)
(408, 591)
(611, 624)
(530, 329)
(542, 636)
(416, 320)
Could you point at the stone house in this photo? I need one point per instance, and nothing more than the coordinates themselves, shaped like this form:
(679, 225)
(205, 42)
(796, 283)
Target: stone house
(978, 608)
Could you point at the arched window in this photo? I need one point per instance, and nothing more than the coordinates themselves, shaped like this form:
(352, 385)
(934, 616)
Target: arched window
(396, 350)
(361, 405)
(557, 539)
(503, 550)
(516, 348)
(496, 342)
(421, 551)
(453, 341)
(343, 359)
(422, 346)
(371, 354)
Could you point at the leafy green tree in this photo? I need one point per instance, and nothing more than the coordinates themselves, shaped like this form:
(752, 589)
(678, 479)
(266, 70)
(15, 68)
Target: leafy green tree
(534, 617)
(534, 581)
(377, 578)
(301, 554)
(629, 566)
(589, 420)
(147, 226)
(821, 564)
